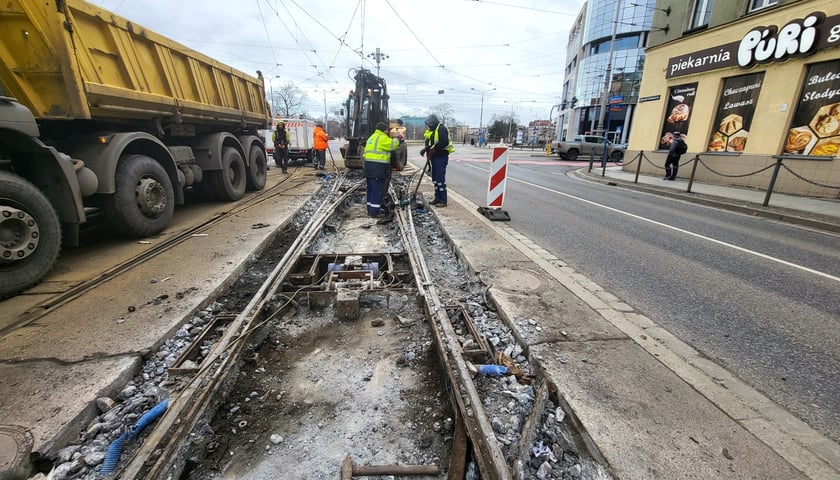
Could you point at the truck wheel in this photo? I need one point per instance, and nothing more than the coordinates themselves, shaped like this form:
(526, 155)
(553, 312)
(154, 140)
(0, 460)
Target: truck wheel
(257, 172)
(30, 235)
(228, 184)
(572, 155)
(616, 156)
(402, 157)
(144, 200)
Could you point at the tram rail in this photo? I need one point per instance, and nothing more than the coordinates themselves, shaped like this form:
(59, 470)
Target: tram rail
(55, 301)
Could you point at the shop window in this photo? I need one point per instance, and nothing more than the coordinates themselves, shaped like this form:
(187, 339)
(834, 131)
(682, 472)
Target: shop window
(759, 4)
(815, 126)
(702, 13)
(736, 108)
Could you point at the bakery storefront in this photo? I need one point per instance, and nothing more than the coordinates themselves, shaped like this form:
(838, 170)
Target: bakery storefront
(768, 87)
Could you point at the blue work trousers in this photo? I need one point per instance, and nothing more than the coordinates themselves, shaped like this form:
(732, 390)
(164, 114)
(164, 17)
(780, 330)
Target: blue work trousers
(375, 192)
(439, 163)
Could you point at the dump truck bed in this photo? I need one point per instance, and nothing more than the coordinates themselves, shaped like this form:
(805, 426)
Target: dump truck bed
(71, 59)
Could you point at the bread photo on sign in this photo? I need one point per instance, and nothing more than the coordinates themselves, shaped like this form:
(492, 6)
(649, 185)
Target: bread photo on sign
(679, 113)
(827, 147)
(737, 143)
(731, 124)
(798, 138)
(718, 143)
(827, 120)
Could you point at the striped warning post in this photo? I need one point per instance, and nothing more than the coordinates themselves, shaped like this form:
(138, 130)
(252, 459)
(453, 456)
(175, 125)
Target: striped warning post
(498, 178)
(496, 186)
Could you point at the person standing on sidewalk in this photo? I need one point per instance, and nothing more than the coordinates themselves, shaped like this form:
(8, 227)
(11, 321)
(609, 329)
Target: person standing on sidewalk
(378, 149)
(675, 151)
(438, 146)
(280, 137)
(320, 143)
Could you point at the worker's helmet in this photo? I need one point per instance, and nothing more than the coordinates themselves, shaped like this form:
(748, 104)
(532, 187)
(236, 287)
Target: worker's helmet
(281, 124)
(432, 121)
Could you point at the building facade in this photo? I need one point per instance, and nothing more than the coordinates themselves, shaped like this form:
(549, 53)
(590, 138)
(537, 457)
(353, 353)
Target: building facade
(605, 57)
(750, 83)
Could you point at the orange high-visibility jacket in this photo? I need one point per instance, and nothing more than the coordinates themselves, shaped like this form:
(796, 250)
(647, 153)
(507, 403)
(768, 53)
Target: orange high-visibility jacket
(320, 138)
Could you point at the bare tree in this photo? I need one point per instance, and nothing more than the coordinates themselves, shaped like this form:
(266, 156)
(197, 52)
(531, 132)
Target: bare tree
(288, 100)
(444, 113)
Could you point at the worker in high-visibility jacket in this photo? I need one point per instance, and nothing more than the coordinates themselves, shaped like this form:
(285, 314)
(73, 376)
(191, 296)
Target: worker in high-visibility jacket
(438, 147)
(378, 150)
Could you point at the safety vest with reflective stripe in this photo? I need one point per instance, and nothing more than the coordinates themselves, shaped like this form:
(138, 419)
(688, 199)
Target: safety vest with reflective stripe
(379, 147)
(434, 140)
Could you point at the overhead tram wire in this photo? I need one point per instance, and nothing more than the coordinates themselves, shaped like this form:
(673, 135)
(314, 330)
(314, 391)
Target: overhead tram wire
(297, 42)
(268, 37)
(523, 8)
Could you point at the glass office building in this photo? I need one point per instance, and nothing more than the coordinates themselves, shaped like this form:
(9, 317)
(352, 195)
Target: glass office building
(598, 66)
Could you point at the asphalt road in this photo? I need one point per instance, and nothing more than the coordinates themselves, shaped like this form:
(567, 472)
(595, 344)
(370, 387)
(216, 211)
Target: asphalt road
(758, 297)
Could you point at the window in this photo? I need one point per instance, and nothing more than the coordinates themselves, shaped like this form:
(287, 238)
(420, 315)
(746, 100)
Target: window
(759, 4)
(702, 12)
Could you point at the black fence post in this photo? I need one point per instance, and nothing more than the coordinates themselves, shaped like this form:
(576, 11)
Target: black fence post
(693, 171)
(772, 181)
(640, 156)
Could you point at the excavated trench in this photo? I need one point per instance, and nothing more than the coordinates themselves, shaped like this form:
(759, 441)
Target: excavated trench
(347, 365)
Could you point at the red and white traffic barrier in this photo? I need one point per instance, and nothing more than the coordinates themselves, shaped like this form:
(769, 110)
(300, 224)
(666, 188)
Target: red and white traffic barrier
(496, 186)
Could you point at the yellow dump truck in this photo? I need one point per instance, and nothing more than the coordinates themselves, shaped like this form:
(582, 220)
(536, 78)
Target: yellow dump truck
(97, 112)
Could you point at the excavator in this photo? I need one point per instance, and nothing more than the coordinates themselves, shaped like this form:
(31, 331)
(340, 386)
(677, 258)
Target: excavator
(366, 105)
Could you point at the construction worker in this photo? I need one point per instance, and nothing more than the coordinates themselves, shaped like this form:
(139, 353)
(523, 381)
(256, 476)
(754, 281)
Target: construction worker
(280, 137)
(320, 138)
(438, 146)
(378, 150)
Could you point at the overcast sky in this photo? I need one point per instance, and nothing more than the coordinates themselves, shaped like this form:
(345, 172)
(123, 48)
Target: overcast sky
(459, 46)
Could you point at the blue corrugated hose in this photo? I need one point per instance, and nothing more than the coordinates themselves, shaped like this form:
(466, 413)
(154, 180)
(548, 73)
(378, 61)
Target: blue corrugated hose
(115, 449)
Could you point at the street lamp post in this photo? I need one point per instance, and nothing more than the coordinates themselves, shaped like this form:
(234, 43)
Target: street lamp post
(481, 114)
(271, 90)
(608, 76)
(325, 105)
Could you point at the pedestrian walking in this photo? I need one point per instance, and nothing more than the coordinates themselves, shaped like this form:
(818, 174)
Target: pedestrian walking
(438, 147)
(377, 167)
(280, 137)
(675, 151)
(320, 138)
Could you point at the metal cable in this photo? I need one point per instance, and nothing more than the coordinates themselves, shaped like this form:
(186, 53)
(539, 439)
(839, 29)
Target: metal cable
(834, 187)
(734, 176)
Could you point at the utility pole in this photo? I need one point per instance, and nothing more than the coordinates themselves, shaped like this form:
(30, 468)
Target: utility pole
(378, 56)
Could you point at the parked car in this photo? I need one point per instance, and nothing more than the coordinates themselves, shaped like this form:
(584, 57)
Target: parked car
(585, 145)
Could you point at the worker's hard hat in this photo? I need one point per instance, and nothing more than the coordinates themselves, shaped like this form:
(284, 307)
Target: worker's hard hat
(281, 124)
(432, 121)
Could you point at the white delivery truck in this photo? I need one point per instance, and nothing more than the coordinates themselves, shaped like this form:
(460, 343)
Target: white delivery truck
(301, 141)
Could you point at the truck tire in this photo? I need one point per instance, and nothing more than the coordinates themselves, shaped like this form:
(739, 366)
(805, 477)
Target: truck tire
(572, 154)
(258, 171)
(616, 156)
(228, 184)
(402, 157)
(30, 235)
(144, 200)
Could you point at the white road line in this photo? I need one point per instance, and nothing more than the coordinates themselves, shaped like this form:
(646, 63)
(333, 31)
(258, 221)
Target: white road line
(681, 230)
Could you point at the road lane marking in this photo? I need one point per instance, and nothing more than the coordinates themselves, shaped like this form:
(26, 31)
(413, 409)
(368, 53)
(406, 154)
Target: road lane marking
(683, 231)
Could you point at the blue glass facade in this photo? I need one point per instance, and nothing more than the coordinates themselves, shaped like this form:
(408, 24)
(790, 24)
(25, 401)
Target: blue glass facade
(589, 56)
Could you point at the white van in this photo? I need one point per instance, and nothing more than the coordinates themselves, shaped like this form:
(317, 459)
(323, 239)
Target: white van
(301, 141)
